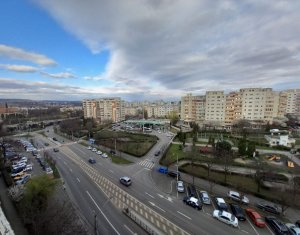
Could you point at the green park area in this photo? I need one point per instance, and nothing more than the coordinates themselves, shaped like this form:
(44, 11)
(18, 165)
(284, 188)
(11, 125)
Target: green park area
(134, 144)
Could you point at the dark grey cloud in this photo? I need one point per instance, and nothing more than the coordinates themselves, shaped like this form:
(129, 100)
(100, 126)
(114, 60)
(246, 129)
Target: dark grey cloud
(178, 45)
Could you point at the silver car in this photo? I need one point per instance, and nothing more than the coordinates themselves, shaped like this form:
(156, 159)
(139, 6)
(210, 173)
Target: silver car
(180, 187)
(205, 197)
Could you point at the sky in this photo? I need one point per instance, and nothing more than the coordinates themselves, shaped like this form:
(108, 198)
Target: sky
(146, 49)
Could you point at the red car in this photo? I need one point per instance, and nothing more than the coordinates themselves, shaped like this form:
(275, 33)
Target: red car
(256, 218)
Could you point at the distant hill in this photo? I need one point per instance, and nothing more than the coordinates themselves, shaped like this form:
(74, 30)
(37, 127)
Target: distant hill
(26, 102)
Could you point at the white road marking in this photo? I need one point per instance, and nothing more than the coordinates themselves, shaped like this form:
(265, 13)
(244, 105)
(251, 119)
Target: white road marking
(167, 198)
(253, 227)
(65, 163)
(270, 230)
(244, 231)
(184, 215)
(111, 171)
(102, 212)
(71, 170)
(153, 204)
(78, 180)
(149, 194)
(129, 229)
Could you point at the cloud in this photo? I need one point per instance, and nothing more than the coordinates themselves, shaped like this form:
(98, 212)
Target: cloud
(20, 54)
(186, 44)
(19, 68)
(58, 75)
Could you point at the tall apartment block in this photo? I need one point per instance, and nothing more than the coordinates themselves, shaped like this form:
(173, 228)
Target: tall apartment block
(257, 104)
(193, 108)
(104, 109)
(162, 109)
(215, 107)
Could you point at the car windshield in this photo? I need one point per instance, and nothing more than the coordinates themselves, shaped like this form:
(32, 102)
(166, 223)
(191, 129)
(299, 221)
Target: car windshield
(232, 218)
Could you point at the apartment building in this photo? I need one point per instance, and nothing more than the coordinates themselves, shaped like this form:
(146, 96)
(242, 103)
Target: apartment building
(233, 108)
(193, 108)
(292, 101)
(162, 109)
(218, 109)
(215, 107)
(104, 109)
(259, 104)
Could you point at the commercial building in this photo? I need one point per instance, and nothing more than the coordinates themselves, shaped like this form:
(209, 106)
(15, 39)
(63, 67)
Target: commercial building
(104, 110)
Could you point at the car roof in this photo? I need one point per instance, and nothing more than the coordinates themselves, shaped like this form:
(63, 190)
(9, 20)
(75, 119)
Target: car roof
(193, 199)
(234, 193)
(125, 178)
(227, 214)
(220, 200)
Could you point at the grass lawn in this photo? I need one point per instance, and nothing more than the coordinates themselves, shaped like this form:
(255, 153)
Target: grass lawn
(297, 141)
(132, 143)
(119, 160)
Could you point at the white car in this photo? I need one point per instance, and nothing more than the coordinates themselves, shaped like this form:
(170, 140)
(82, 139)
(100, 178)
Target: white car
(294, 230)
(180, 187)
(99, 152)
(237, 197)
(104, 155)
(226, 218)
(90, 147)
(94, 150)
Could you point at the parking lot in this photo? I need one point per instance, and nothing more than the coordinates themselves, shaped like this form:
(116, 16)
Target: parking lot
(169, 184)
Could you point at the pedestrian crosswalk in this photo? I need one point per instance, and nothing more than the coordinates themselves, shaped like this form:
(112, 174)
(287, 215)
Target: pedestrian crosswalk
(147, 163)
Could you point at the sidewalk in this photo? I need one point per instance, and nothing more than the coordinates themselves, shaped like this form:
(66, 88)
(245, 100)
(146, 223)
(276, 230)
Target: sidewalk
(10, 211)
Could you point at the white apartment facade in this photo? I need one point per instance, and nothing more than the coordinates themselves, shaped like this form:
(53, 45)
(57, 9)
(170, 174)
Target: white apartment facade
(104, 109)
(215, 107)
(255, 104)
(162, 110)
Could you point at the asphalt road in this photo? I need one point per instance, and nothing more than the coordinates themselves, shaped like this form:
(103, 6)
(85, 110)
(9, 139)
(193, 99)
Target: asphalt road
(95, 189)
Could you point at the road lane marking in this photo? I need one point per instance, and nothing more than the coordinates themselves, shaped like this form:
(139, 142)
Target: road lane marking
(184, 215)
(111, 171)
(78, 180)
(71, 170)
(149, 194)
(65, 163)
(244, 231)
(253, 227)
(129, 229)
(270, 230)
(153, 204)
(102, 212)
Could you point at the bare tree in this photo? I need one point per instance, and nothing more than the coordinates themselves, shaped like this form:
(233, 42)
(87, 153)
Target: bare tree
(16, 192)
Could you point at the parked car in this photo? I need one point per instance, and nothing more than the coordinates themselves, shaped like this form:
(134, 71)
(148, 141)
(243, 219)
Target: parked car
(180, 187)
(23, 180)
(205, 197)
(54, 139)
(92, 161)
(56, 150)
(235, 196)
(238, 212)
(113, 152)
(297, 223)
(99, 152)
(268, 207)
(94, 150)
(21, 173)
(46, 144)
(226, 217)
(104, 155)
(90, 148)
(277, 226)
(157, 153)
(28, 167)
(221, 204)
(193, 202)
(174, 174)
(255, 217)
(294, 230)
(125, 180)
